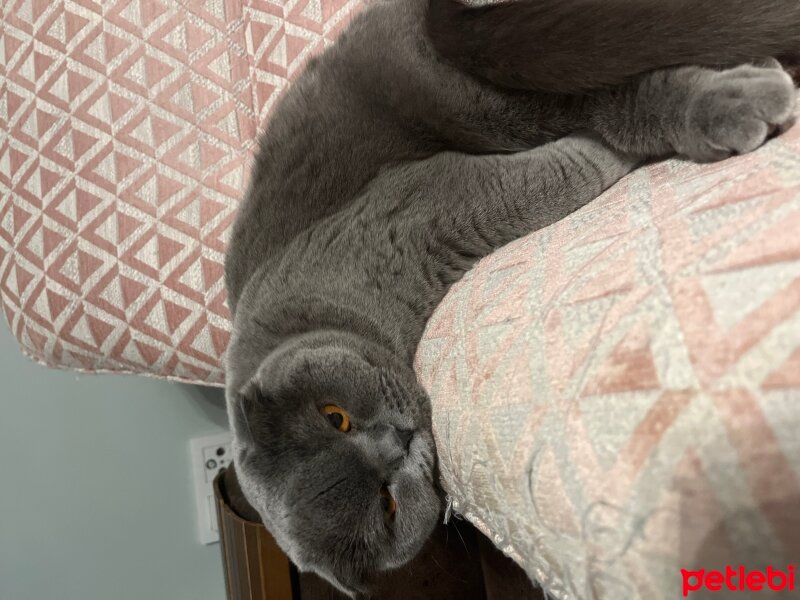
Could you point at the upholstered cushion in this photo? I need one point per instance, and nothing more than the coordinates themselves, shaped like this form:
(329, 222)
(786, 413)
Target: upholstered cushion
(610, 395)
(126, 129)
(618, 396)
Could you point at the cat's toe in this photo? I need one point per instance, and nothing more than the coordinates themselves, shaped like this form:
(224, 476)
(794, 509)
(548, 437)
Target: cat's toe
(735, 111)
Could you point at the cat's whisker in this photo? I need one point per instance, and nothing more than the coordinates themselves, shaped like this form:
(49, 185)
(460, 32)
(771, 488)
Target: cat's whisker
(462, 537)
(441, 568)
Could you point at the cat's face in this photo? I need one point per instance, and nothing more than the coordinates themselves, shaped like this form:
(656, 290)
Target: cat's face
(336, 455)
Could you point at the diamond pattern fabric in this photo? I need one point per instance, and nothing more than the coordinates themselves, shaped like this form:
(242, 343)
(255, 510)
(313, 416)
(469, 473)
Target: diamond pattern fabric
(126, 131)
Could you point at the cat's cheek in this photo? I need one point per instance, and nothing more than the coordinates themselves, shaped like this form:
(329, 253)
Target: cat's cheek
(411, 539)
(421, 456)
(418, 510)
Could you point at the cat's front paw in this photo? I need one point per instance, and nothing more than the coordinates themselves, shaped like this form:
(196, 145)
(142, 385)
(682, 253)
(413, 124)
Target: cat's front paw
(736, 110)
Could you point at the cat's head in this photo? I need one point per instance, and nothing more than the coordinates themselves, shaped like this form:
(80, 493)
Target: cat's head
(333, 448)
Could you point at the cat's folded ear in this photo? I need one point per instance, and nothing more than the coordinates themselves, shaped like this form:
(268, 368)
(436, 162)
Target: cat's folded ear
(243, 410)
(254, 393)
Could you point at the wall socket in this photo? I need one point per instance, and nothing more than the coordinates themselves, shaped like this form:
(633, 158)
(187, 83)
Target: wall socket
(210, 455)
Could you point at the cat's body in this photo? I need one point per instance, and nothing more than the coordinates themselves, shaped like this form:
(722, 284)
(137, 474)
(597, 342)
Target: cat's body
(386, 171)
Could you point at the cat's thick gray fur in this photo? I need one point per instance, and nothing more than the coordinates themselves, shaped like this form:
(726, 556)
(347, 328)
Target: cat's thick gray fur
(385, 173)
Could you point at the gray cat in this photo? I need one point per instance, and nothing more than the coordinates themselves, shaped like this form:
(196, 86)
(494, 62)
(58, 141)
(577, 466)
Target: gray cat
(429, 135)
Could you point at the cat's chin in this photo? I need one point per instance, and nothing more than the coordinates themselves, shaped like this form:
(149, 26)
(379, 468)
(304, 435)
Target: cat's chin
(351, 592)
(401, 558)
(413, 526)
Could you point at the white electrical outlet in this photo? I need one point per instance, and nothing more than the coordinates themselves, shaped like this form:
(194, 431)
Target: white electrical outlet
(209, 456)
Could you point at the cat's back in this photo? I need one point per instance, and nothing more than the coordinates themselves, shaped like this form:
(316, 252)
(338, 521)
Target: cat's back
(349, 114)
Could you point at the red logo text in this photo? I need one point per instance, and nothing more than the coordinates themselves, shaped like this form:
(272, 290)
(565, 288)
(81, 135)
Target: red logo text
(738, 580)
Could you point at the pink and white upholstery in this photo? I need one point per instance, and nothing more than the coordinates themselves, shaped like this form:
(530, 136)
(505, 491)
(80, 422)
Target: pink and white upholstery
(615, 397)
(126, 130)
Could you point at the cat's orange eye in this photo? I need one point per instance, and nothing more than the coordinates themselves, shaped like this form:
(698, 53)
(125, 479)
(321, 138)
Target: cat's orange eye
(337, 416)
(388, 503)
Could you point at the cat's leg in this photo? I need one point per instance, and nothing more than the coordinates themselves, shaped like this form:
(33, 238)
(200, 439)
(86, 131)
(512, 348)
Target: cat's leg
(475, 204)
(704, 114)
(424, 224)
(701, 113)
(573, 47)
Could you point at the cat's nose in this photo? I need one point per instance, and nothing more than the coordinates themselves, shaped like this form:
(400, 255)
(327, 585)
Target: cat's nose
(405, 436)
(391, 445)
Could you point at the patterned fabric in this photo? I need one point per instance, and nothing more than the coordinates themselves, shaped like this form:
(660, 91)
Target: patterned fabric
(126, 129)
(608, 393)
(618, 396)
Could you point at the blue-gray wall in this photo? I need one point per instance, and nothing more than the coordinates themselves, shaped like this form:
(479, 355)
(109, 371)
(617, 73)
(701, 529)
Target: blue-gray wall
(95, 485)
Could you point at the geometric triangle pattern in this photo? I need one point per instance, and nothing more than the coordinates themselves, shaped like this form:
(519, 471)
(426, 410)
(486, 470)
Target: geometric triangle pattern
(619, 394)
(126, 133)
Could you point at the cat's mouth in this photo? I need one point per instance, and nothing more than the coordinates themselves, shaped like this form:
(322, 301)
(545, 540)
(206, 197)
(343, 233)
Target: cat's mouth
(419, 456)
